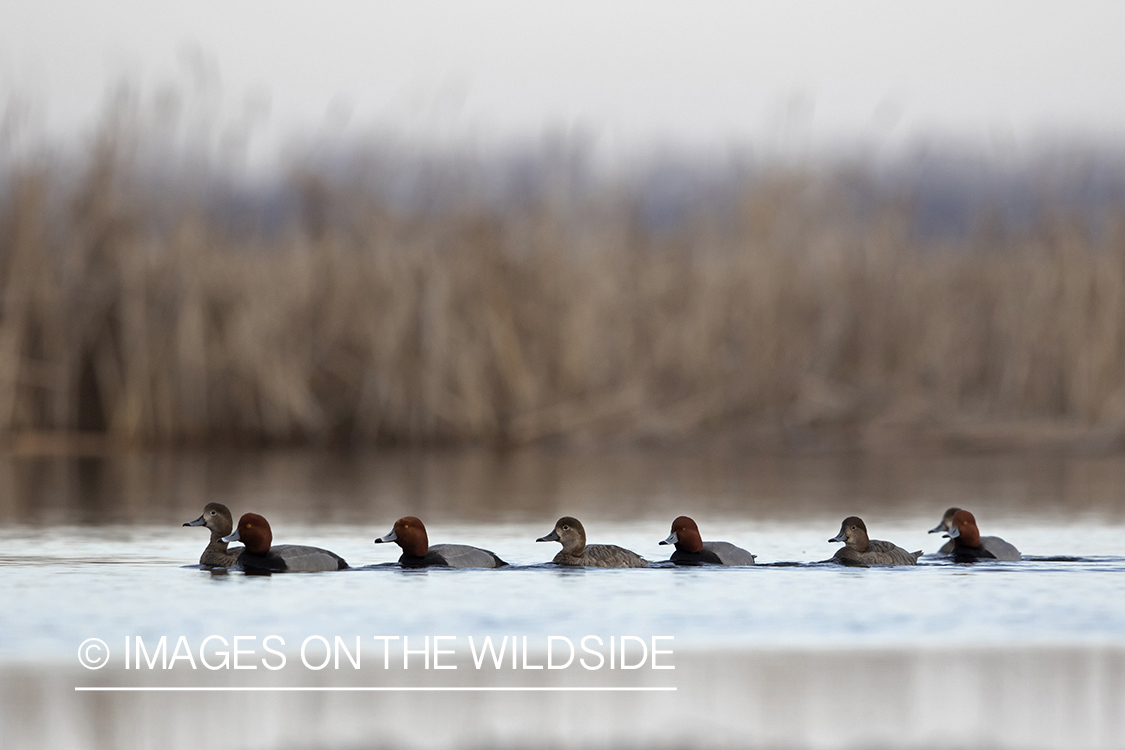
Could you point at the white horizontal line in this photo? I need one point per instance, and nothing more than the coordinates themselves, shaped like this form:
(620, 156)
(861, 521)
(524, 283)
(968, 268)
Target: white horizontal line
(374, 689)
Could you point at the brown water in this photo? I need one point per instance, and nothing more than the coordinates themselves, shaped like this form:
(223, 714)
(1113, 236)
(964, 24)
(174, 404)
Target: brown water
(536, 485)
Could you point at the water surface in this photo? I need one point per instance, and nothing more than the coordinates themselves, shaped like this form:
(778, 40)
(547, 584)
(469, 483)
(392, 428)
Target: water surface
(93, 547)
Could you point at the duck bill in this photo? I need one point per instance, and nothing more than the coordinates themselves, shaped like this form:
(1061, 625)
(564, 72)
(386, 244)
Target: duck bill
(936, 529)
(552, 537)
(197, 522)
(839, 537)
(232, 537)
(673, 538)
(953, 533)
(391, 537)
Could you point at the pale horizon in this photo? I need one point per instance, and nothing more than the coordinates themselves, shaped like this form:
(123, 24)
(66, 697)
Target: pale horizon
(623, 79)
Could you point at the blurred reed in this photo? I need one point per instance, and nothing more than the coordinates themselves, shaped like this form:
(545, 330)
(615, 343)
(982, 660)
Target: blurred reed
(135, 313)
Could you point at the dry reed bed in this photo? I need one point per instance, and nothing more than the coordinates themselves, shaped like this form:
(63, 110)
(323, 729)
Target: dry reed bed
(372, 323)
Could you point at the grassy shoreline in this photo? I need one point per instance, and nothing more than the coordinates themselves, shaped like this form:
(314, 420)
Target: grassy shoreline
(789, 318)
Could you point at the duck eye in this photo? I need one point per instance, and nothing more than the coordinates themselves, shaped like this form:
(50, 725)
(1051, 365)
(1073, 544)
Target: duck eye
(566, 528)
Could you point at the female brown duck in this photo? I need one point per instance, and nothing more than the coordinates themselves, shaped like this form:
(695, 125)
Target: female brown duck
(218, 519)
(569, 532)
(859, 550)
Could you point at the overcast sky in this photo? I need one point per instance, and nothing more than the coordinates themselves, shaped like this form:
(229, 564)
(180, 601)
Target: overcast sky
(626, 75)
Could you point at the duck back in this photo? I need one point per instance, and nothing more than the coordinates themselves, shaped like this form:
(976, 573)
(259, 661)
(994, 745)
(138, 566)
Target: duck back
(453, 556)
(994, 545)
(729, 554)
(878, 553)
(602, 556)
(990, 548)
(291, 558)
(714, 553)
(1000, 549)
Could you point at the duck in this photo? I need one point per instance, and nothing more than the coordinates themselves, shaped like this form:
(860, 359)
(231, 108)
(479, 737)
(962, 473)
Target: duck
(970, 546)
(692, 550)
(260, 556)
(575, 552)
(218, 519)
(417, 552)
(858, 549)
(945, 525)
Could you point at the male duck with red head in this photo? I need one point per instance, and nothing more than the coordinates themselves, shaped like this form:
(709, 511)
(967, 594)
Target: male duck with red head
(861, 551)
(409, 533)
(692, 550)
(261, 556)
(970, 546)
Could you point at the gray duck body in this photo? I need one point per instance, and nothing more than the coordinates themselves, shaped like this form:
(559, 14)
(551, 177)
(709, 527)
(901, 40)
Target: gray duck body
(453, 556)
(714, 553)
(291, 558)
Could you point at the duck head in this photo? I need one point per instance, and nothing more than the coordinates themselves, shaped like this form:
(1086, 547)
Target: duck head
(685, 535)
(946, 521)
(217, 518)
(253, 531)
(410, 534)
(963, 529)
(853, 533)
(569, 532)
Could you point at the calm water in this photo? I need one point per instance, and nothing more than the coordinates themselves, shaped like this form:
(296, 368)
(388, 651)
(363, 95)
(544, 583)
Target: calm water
(94, 548)
(789, 653)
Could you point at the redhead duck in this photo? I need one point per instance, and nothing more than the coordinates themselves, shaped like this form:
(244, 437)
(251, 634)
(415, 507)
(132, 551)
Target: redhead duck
(569, 532)
(218, 519)
(260, 556)
(692, 550)
(945, 525)
(417, 552)
(859, 550)
(970, 546)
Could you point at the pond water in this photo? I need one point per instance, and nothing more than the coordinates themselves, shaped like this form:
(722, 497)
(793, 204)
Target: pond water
(93, 547)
